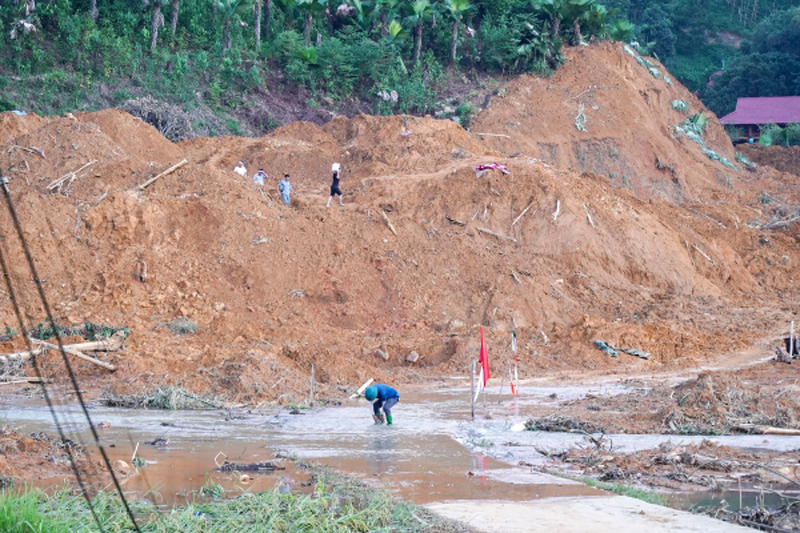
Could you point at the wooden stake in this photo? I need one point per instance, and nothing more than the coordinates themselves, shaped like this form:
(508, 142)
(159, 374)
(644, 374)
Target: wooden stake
(170, 169)
(791, 340)
(558, 210)
(703, 253)
(311, 398)
(76, 353)
(490, 232)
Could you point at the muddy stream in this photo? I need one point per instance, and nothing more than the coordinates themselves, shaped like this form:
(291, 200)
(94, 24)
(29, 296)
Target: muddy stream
(434, 452)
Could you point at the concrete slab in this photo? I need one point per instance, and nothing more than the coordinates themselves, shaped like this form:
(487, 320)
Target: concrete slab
(617, 514)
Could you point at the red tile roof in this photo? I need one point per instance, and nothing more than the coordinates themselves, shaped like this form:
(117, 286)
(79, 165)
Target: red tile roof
(775, 110)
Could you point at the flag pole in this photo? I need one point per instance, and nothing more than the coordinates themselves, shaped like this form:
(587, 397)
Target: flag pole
(472, 387)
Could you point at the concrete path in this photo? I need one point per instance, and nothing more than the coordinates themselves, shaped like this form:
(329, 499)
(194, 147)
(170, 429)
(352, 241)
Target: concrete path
(615, 514)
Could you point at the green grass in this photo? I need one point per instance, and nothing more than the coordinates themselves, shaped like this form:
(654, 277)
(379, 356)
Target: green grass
(335, 504)
(624, 490)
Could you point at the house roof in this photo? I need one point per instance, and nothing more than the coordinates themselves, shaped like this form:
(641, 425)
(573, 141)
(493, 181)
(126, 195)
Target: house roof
(774, 110)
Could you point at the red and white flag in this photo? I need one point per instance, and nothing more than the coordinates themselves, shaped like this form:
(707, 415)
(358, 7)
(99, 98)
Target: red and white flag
(483, 359)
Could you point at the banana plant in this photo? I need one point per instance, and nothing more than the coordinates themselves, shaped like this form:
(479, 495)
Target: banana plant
(456, 9)
(421, 10)
(310, 8)
(229, 8)
(386, 9)
(364, 13)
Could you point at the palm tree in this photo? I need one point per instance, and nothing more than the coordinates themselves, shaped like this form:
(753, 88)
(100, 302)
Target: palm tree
(420, 10)
(456, 9)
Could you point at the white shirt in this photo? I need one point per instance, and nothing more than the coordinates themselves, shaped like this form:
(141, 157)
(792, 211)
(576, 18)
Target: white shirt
(241, 170)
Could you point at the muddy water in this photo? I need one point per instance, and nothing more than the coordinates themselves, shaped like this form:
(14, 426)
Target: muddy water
(435, 451)
(417, 458)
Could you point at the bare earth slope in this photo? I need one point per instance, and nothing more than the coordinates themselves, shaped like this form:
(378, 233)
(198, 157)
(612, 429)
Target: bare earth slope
(669, 261)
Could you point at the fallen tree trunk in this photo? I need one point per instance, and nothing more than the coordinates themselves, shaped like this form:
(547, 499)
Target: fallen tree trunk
(27, 354)
(76, 353)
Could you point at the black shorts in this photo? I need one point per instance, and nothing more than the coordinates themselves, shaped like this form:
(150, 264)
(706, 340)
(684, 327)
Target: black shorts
(335, 190)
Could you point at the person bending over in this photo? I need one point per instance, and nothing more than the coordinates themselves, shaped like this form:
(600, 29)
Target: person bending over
(384, 397)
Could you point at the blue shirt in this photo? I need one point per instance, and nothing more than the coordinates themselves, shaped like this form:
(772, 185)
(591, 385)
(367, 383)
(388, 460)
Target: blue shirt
(385, 392)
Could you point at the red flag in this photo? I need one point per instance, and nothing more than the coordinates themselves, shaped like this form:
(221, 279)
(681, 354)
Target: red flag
(484, 359)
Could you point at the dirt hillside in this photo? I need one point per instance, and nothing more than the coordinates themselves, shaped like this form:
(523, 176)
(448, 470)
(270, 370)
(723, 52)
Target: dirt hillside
(671, 261)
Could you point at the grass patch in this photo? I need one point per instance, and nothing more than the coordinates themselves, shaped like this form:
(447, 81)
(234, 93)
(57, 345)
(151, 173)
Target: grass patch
(624, 490)
(335, 504)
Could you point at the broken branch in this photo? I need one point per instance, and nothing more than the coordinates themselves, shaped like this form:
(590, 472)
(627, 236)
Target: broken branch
(703, 253)
(454, 221)
(490, 232)
(558, 210)
(68, 176)
(522, 214)
(388, 222)
(170, 169)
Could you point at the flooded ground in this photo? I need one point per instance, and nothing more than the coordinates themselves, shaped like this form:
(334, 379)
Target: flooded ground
(434, 452)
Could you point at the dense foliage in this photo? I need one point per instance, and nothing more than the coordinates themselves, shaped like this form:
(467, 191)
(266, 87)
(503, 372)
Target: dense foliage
(768, 64)
(72, 53)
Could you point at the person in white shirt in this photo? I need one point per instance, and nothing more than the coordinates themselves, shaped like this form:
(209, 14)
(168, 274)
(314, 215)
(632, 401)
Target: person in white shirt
(240, 169)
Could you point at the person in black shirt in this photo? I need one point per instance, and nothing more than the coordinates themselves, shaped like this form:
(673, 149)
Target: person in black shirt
(336, 168)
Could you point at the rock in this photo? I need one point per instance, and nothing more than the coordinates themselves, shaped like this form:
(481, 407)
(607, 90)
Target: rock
(412, 357)
(122, 466)
(380, 353)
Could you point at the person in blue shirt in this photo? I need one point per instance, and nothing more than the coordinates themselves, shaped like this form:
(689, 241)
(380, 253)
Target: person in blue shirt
(382, 396)
(285, 188)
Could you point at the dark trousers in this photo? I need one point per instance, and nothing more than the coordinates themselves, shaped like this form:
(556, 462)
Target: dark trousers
(387, 406)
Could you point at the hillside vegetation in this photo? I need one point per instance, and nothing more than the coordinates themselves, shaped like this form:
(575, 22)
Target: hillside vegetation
(193, 67)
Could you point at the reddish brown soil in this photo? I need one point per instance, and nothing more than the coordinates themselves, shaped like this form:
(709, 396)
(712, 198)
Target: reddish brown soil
(781, 158)
(669, 260)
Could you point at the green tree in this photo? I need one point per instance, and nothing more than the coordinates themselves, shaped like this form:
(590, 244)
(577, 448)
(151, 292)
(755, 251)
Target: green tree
(229, 9)
(421, 10)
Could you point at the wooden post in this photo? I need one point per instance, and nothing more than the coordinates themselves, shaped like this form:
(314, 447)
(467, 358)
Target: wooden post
(311, 400)
(791, 340)
(472, 387)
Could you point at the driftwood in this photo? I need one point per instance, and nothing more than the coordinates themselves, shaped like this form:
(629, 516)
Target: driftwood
(388, 222)
(5, 358)
(455, 221)
(490, 232)
(76, 353)
(32, 379)
(767, 430)
(170, 169)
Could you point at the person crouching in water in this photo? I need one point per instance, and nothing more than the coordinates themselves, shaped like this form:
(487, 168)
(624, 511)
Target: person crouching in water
(383, 396)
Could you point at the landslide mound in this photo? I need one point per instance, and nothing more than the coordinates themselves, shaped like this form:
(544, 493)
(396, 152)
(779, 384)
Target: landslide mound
(630, 135)
(422, 254)
(781, 158)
